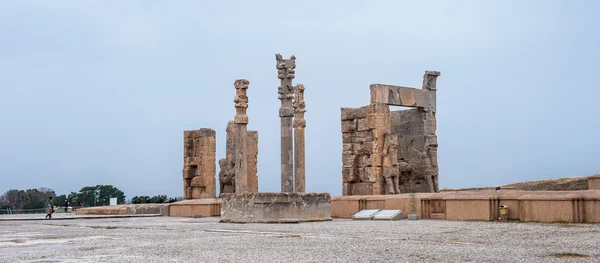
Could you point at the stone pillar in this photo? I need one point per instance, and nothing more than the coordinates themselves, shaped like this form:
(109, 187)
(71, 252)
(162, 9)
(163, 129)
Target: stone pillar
(199, 148)
(252, 161)
(378, 117)
(431, 145)
(241, 125)
(285, 72)
(299, 153)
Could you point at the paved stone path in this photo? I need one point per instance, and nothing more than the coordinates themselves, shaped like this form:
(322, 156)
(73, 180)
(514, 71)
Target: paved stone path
(171, 239)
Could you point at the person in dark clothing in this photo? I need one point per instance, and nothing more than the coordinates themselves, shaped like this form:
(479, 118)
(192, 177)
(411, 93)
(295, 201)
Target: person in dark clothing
(49, 208)
(66, 206)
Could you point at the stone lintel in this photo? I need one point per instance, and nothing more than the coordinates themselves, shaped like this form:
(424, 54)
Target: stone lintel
(402, 96)
(354, 113)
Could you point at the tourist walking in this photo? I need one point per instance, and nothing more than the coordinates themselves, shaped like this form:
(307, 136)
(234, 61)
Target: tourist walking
(49, 208)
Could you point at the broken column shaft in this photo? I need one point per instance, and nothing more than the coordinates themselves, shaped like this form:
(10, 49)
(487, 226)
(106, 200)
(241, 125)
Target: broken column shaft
(299, 125)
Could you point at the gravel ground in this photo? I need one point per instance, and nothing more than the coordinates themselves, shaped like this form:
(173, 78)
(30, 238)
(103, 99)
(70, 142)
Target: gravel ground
(171, 239)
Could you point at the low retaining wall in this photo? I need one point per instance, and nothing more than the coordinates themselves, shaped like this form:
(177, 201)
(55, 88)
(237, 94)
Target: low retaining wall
(275, 207)
(196, 208)
(132, 209)
(529, 206)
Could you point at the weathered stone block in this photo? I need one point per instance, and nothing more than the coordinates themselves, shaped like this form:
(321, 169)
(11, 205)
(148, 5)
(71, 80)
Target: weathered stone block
(207, 207)
(275, 207)
(363, 136)
(354, 113)
(356, 148)
(347, 137)
(349, 174)
(346, 189)
(189, 172)
(364, 161)
(349, 126)
(196, 193)
(197, 181)
(361, 174)
(189, 161)
(348, 160)
(199, 163)
(400, 96)
(347, 147)
(362, 124)
(362, 188)
(366, 148)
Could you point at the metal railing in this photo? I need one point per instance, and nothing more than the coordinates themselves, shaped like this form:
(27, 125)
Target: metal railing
(10, 211)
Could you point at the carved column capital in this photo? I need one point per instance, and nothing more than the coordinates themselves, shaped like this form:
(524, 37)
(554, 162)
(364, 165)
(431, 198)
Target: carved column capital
(241, 101)
(285, 67)
(429, 80)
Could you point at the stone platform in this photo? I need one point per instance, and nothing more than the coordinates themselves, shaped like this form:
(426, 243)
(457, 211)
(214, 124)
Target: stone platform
(131, 209)
(527, 206)
(188, 208)
(196, 208)
(275, 207)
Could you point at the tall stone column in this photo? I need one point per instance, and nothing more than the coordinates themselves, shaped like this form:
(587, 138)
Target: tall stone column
(299, 125)
(431, 145)
(285, 72)
(241, 125)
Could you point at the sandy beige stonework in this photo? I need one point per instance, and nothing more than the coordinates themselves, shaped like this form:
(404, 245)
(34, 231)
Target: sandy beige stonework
(199, 166)
(391, 152)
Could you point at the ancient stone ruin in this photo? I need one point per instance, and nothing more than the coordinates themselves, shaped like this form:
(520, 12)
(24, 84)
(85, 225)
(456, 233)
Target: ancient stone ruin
(199, 148)
(239, 167)
(391, 152)
(238, 170)
(291, 113)
(292, 204)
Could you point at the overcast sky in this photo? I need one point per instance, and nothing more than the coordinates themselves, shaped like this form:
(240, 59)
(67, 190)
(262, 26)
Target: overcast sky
(99, 92)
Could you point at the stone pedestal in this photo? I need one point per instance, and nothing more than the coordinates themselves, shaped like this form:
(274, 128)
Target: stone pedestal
(196, 208)
(275, 207)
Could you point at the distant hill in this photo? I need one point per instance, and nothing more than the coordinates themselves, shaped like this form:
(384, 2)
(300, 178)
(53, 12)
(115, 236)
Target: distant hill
(561, 184)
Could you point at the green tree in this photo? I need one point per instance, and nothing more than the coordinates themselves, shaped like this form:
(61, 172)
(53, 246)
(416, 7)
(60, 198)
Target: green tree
(100, 195)
(158, 199)
(73, 197)
(140, 200)
(59, 200)
(34, 204)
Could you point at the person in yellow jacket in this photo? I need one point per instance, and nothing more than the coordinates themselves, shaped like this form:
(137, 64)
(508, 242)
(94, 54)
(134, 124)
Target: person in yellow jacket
(49, 208)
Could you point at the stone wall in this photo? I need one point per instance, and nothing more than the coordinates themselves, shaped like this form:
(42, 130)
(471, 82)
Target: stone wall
(357, 139)
(199, 166)
(416, 135)
(385, 152)
(527, 206)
